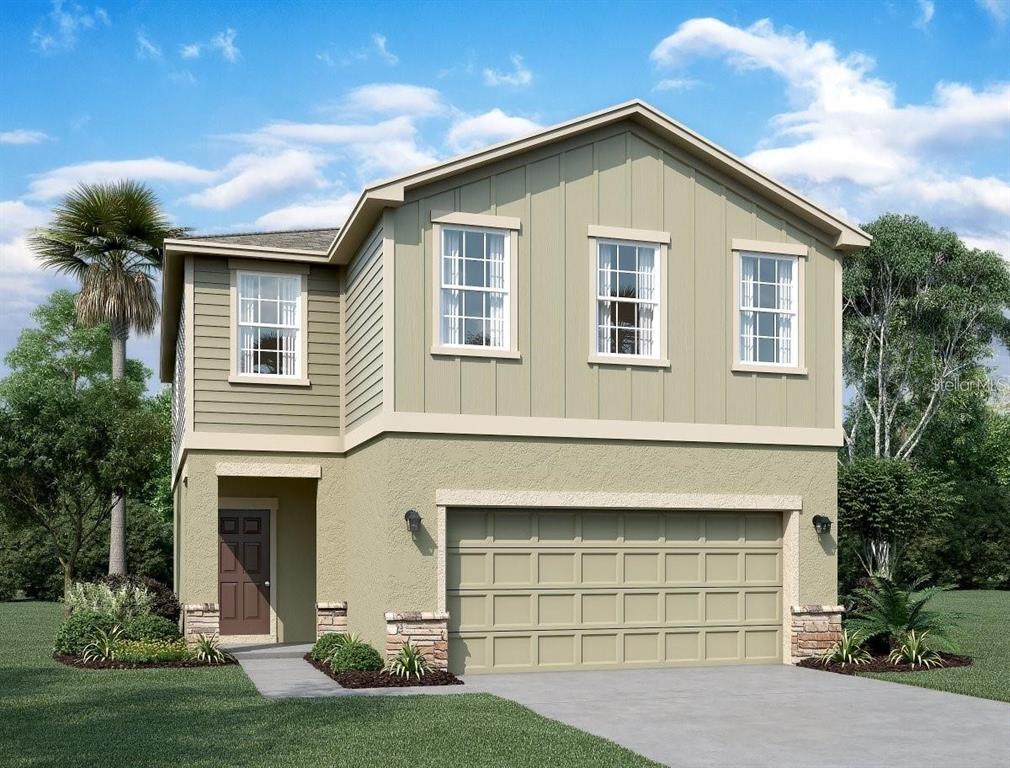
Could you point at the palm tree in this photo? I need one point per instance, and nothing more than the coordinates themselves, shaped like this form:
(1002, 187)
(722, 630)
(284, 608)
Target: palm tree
(110, 237)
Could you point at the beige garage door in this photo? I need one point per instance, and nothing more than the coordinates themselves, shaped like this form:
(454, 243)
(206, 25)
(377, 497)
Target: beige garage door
(558, 589)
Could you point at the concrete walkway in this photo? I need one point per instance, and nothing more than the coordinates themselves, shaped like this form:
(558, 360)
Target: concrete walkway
(742, 716)
(281, 672)
(767, 716)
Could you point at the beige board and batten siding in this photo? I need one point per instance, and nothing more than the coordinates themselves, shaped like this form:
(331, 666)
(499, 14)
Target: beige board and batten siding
(220, 406)
(363, 315)
(179, 390)
(620, 177)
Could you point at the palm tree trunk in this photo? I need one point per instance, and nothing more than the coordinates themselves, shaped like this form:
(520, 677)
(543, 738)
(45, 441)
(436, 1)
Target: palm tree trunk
(117, 528)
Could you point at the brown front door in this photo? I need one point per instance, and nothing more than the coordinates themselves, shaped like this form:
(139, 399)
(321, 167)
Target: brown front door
(243, 571)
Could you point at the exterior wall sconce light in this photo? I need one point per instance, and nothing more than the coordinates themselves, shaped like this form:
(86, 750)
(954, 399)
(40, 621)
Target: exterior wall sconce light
(822, 524)
(413, 520)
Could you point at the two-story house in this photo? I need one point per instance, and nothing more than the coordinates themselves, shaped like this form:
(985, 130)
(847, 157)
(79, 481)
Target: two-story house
(571, 401)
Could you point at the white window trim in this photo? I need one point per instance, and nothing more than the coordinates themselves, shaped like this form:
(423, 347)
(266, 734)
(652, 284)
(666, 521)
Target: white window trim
(655, 239)
(476, 222)
(240, 266)
(777, 250)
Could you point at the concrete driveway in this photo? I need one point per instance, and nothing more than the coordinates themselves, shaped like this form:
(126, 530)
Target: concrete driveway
(767, 716)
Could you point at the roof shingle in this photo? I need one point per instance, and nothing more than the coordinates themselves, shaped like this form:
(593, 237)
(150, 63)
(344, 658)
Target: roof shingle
(302, 239)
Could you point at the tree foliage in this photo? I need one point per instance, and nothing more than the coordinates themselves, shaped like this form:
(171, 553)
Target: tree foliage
(921, 311)
(884, 503)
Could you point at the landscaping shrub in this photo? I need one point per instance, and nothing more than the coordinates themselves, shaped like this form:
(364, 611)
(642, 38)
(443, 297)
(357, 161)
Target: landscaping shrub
(163, 600)
(79, 629)
(151, 628)
(104, 646)
(149, 651)
(887, 612)
(355, 655)
(326, 645)
(120, 603)
(409, 662)
(914, 649)
(848, 650)
(208, 649)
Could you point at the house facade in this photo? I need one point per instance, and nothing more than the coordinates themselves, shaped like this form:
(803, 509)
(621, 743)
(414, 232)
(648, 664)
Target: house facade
(572, 401)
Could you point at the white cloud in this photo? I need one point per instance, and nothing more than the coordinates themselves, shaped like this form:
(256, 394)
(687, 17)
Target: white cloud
(254, 176)
(16, 220)
(519, 77)
(384, 53)
(190, 51)
(675, 84)
(999, 10)
(146, 49)
(377, 149)
(394, 98)
(63, 24)
(488, 128)
(926, 11)
(59, 181)
(22, 136)
(310, 214)
(225, 43)
(847, 138)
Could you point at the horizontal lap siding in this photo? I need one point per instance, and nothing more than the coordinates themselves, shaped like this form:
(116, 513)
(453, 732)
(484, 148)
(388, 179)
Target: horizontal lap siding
(220, 406)
(363, 314)
(622, 178)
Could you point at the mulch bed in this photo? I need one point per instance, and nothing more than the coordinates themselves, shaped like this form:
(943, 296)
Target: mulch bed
(881, 664)
(380, 680)
(80, 663)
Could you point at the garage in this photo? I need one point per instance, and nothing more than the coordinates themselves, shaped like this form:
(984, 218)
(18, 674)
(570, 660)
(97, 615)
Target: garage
(555, 589)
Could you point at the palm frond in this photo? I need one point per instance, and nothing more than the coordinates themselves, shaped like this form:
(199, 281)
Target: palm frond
(111, 238)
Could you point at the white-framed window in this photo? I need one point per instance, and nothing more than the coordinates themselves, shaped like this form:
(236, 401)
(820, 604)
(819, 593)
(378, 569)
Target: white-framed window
(769, 307)
(628, 296)
(475, 288)
(268, 325)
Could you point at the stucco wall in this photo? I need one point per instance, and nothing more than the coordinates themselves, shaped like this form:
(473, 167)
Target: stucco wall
(365, 555)
(294, 546)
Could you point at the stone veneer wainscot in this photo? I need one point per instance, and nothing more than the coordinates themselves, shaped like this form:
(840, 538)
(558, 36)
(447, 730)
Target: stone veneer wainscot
(426, 630)
(815, 628)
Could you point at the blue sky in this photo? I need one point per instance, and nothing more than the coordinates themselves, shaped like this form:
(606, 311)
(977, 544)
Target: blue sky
(271, 116)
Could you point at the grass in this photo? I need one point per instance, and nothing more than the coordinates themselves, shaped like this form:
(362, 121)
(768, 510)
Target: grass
(51, 715)
(983, 635)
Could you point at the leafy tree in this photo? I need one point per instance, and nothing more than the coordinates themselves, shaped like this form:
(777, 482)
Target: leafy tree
(921, 311)
(883, 503)
(110, 237)
(66, 456)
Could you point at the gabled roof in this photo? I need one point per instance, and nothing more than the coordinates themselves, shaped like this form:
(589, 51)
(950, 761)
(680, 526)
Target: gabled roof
(299, 239)
(339, 245)
(391, 192)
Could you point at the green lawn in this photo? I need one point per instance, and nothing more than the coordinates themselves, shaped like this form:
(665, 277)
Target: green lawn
(984, 635)
(51, 715)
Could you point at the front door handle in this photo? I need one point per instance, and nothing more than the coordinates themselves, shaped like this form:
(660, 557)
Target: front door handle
(266, 583)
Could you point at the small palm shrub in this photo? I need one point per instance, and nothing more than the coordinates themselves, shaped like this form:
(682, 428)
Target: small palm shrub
(914, 649)
(409, 662)
(208, 650)
(151, 627)
(104, 646)
(148, 651)
(848, 650)
(326, 645)
(79, 630)
(121, 603)
(888, 611)
(355, 655)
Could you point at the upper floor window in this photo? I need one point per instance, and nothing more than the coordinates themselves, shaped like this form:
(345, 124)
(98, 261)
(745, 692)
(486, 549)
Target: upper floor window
(627, 299)
(475, 292)
(769, 309)
(269, 325)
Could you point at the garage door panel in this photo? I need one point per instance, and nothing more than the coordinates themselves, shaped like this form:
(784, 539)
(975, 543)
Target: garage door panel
(557, 589)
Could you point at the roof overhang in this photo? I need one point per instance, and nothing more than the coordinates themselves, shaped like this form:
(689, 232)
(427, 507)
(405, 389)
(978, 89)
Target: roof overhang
(843, 235)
